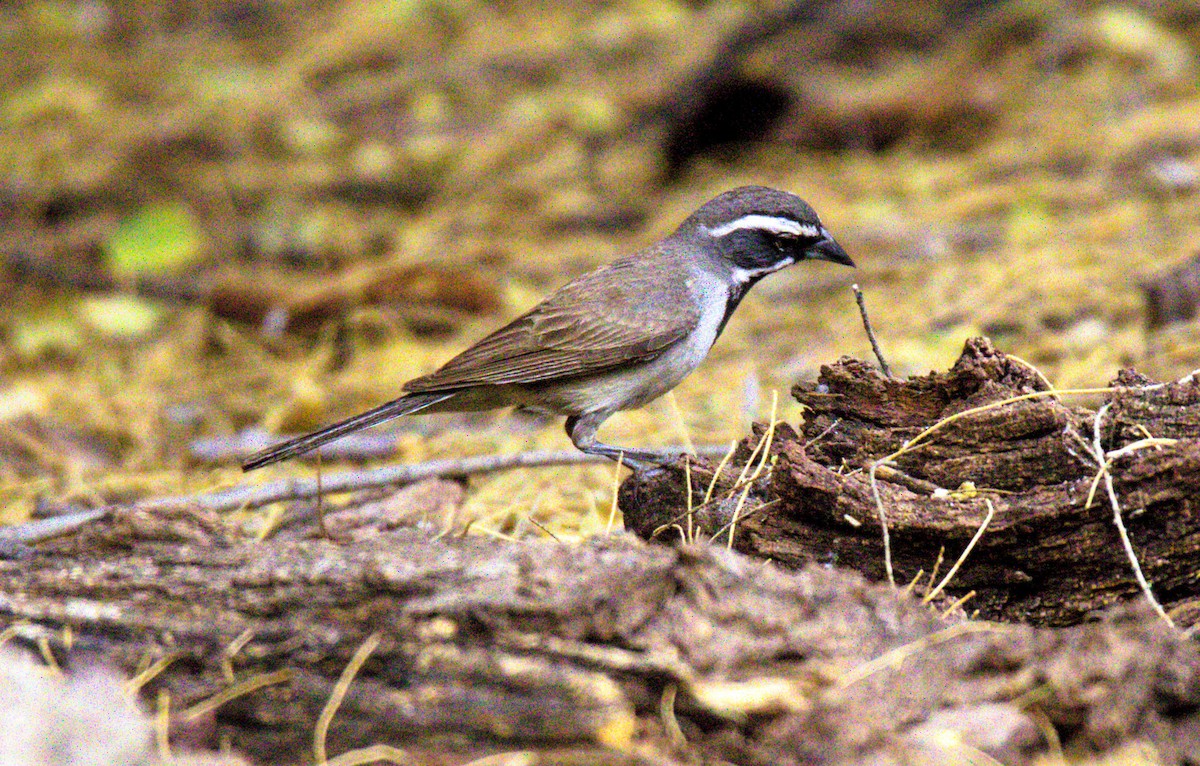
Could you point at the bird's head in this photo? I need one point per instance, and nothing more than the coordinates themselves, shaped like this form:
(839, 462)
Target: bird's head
(758, 230)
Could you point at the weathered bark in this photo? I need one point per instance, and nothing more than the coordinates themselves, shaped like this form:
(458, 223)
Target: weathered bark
(569, 651)
(575, 652)
(1046, 556)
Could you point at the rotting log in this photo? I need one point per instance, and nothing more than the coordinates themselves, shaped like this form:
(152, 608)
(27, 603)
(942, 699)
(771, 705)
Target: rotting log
(618, 651)
(1046, 557)
(614, 651)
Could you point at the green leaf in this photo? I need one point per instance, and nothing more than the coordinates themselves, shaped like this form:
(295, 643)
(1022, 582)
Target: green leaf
(158, 238)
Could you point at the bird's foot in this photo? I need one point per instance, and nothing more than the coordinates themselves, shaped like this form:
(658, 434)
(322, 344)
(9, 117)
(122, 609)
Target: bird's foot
(639, 460)
(582, 430)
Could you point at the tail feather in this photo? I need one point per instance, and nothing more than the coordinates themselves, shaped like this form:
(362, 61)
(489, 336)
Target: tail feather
(405, 405)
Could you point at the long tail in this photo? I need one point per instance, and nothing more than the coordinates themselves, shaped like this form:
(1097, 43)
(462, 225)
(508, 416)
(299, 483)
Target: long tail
(405, 405)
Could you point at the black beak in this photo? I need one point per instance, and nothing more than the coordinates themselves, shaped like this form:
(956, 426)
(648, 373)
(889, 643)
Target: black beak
(829, 250)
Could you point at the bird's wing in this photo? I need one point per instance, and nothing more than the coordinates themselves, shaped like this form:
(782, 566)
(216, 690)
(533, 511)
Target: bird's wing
(608, 318)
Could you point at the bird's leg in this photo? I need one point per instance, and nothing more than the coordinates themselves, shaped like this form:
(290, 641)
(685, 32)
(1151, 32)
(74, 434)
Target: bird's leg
(582, 430)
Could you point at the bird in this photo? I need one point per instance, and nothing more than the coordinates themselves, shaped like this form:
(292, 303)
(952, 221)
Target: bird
(617, 337)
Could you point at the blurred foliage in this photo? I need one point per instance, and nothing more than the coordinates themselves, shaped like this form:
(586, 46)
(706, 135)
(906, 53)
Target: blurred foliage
(157, 238)
(1009, 168)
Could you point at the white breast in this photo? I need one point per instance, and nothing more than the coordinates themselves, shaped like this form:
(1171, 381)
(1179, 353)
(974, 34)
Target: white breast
(712, 294)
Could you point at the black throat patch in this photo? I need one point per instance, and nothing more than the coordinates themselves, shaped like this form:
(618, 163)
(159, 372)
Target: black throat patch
(737, 291)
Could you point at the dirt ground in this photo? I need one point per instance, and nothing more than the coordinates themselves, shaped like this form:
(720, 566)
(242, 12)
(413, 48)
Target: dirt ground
(224, 220)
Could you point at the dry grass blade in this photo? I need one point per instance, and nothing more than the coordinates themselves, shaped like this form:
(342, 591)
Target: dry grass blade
(683, 538)
(135, 684)
(745, 515)
(912, 584)
(916, 440)
(357, 660)
(897, 655)
(824, 432)
(717, 473)
(536, 523)
(677, 420)
(1115, 455)
(937, 565)
(162, 725)
(958, 604)
(963, 557)
(666, 711)
(229, 652)
(516, 758)
(43, 645)
(372, 754)
(1032, 368)
(12, 631)
(237, 690)
(687, 478)
(764, 446)
(616, 487)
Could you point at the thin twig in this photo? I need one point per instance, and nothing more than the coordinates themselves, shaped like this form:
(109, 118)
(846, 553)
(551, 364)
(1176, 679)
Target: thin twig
(866, 320)
(535, 522)
(883, 524)
(321, 503)
(828, 430)
(245, 496)
(17, 535)
(1098, 453)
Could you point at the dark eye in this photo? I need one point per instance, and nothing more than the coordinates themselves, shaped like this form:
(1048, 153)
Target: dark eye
(781, 243)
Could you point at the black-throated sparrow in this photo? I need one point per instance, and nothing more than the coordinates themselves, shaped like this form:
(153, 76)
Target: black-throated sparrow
(618, 337)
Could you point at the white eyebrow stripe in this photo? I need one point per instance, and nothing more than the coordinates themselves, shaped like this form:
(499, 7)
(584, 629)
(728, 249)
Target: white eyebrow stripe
(768, 223)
